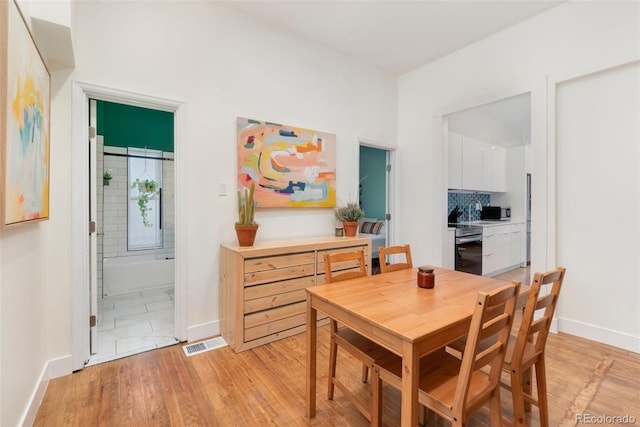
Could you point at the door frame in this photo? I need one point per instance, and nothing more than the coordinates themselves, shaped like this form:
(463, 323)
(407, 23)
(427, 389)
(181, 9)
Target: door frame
(391, 183)
(80, 274)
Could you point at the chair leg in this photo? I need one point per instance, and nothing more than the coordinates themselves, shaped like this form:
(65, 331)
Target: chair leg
(376, 398)
(333, 353)
(518, 397)
(541, 383)
(365, 373)
(496, 408)
(527, 387)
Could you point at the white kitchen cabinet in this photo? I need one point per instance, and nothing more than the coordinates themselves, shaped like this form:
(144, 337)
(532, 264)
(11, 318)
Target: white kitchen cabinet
(476, 165)
(502, 247)
(472, 164)
(495, 168)
(488, 250)
(455, 160)
(517, 250)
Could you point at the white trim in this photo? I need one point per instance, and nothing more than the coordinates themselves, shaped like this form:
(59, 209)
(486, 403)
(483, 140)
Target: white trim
(53, 369)
(202, 331)
(599, 334)
(391, 230)
(376, 144)
(542, 214)
(552, 181)
(574, 327)
(81, 92)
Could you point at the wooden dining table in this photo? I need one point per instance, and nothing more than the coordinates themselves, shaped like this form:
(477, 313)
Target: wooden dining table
(391, 310)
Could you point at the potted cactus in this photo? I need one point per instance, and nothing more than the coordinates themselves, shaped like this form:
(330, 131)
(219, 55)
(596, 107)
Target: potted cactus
(349, 215)
(246, 227)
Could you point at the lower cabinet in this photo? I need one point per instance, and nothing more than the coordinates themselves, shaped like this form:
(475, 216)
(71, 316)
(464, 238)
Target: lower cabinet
(262, 287)
(502, 248)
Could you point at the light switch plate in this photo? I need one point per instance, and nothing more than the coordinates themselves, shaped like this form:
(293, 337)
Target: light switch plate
(222, 189)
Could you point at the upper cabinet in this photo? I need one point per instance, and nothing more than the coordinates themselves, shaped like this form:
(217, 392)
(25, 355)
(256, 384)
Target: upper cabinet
(476, 165)
(495, 168)
(472, 164)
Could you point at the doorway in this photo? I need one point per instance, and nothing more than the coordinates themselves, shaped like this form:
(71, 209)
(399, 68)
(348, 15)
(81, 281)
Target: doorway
(488, 150)
(375, 195)
(132, 254)
(81, 240)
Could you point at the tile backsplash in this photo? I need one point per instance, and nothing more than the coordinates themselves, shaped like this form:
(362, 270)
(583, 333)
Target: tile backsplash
(464, 202)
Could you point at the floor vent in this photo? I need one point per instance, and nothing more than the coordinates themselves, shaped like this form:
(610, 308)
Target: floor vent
(201, 347)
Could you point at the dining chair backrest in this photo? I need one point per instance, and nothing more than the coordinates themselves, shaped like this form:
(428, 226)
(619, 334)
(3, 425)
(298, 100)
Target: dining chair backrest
(339, 266)
(393, 250)
(491, 322)
(530, 326)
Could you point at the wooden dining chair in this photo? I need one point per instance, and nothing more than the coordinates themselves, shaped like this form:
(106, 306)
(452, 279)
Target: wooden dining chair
(453, 388)
(341, 266)
(526, 350)
(392, 250)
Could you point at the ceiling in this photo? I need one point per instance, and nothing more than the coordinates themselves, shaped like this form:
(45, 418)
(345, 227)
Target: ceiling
(395, 35)
(506, 122)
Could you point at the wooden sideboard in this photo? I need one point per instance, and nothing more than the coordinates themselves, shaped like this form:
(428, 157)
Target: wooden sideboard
(262, 297)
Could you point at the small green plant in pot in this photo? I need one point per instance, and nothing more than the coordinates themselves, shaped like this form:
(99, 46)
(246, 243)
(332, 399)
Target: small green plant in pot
(147, 190)
(106, 178)
(246, 227)
(349, 215)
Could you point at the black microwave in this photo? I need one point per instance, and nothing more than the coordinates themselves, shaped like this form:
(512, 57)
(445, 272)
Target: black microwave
(495, 213)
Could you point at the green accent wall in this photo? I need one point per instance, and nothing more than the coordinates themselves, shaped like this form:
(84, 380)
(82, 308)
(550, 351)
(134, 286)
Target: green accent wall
(128, 126)
(373, 164)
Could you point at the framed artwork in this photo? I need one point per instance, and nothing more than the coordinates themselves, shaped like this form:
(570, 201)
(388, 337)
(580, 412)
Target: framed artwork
(291, 166)
(24, 123)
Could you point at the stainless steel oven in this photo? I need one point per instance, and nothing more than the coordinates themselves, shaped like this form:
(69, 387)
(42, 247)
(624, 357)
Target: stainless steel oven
(469, 249)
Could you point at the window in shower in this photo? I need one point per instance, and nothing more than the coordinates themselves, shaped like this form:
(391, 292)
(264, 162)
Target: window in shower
(145, 199)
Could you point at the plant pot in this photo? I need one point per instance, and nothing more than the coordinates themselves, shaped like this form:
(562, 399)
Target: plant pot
(246, 234)
(350, 228)
(106, 181)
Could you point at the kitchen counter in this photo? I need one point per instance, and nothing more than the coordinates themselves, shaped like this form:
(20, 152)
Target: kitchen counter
(489, 223)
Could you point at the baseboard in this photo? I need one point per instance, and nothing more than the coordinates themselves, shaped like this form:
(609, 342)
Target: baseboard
(599, 334)
(202, 331)
(53, 369)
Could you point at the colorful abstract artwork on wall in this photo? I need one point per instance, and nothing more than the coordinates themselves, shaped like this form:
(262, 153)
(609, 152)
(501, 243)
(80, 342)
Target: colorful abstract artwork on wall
(24, 123)
(292, 167)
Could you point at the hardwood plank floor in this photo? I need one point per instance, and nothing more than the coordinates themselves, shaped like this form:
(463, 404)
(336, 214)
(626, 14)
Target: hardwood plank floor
(266, 386)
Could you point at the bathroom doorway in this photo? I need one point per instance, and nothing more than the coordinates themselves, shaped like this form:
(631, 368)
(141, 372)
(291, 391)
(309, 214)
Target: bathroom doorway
(375, 195)
(132, 251)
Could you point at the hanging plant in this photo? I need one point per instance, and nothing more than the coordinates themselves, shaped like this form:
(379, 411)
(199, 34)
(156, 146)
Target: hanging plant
(147, 190)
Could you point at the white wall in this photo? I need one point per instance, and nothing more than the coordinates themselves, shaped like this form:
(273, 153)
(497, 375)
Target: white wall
(221, 64)
(570, 40)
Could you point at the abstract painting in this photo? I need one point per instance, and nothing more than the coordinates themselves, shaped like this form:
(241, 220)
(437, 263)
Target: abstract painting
(291, 166)
(24, 123)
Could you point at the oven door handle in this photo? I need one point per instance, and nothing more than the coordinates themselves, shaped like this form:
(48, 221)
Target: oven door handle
(462, 240)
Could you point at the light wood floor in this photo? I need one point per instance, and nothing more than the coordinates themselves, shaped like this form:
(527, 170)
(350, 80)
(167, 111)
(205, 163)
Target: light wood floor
(266, 386)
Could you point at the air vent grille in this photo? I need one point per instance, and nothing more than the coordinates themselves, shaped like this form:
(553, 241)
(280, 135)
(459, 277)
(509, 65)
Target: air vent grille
(201, 347)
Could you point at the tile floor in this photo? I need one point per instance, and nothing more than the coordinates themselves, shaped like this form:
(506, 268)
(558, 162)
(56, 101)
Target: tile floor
(134, 323)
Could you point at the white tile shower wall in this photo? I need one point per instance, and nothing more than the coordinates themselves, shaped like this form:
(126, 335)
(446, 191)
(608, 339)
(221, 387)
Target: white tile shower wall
(168, 204)
(115, 204)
